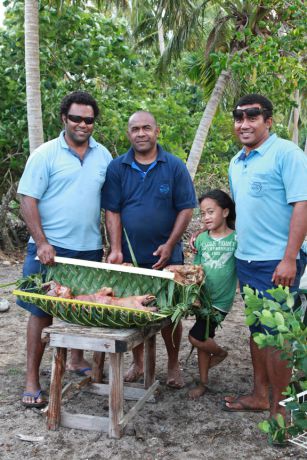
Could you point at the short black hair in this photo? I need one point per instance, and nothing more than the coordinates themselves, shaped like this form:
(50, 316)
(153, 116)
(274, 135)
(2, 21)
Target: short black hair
(224, 201)
(257, 99)
(146, 112)
(78, 97)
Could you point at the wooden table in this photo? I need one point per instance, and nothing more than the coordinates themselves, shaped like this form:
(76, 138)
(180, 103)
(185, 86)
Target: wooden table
(115, 342)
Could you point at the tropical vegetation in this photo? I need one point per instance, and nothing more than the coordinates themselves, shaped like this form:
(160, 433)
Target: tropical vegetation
(185, 61)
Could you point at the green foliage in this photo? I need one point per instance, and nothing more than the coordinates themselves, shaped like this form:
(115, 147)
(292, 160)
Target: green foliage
(82, 49)
(290, 333)
(272, 60)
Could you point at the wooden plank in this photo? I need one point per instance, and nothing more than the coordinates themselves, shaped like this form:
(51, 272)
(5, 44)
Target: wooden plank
(105, 332)
(130, 393)
(116, 267)
(81, 342)
(84, 422)
(55, 396)
(123, 422)
(149, 361)
(61, 327)
(97, 367)
(108, 340)
(116, 395)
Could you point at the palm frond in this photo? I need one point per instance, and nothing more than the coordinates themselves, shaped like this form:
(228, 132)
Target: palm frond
(186, 26)
(219, 36)
(170, 295)
(132, 255)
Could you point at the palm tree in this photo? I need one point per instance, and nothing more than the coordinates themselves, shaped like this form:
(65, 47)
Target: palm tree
(34, 110)
(147, 23)
(232, 24)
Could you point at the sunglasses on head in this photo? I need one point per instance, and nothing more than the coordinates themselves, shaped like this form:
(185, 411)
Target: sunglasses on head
(238, 114)
(78, 119)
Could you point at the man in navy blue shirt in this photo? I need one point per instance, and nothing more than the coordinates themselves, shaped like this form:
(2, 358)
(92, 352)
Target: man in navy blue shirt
(150, 194)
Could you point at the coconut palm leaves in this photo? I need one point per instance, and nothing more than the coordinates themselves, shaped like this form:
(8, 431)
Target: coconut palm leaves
(172, 298)
(89, 313)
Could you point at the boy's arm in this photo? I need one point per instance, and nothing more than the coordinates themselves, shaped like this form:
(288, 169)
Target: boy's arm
(197, 257)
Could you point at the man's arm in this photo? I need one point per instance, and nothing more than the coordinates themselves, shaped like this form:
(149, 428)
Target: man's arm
(165, 250)
(30, 213)
(285, 271)
(114, 229)
(193, 238)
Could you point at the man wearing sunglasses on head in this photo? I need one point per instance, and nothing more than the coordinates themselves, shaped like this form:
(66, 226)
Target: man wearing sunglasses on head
(60, 193)
(268, 181)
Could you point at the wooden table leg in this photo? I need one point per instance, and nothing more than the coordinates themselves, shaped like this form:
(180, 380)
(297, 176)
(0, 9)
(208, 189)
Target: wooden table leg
(149, 361)
(98, 364)
(58, 369)
(116, 395)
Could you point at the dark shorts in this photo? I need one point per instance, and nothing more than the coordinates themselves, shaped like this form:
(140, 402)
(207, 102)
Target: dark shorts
(32, 266)
(258, 275)
(198, 331)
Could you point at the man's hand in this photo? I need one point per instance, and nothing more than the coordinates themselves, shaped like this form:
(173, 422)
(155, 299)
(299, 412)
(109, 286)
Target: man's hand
(115, 257)
(46, 253)
(285, 273)
(165, 252)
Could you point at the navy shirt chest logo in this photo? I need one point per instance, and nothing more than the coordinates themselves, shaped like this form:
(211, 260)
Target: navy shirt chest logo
(164, 189)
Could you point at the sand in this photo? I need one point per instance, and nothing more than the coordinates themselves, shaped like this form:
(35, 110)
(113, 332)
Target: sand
(173, 427)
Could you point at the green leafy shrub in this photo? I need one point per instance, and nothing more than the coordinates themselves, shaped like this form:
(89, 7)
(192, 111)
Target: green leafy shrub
(281, 314)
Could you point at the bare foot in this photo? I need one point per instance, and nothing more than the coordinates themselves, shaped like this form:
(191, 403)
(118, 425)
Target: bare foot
(278, 410)
(174, 378)
(134, 373)
(247, 403)
(217, 359)
(195, 393)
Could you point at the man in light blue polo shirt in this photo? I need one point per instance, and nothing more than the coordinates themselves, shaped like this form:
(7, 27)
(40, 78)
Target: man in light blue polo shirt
(268, 181)
(61, 204)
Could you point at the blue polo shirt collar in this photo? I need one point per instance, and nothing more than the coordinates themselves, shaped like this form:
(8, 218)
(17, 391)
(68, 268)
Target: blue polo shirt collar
(91, 143)
(262, 149)
(129, 157)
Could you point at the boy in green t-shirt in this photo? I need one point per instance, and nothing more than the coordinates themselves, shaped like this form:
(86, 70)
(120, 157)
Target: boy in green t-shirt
(215, 252)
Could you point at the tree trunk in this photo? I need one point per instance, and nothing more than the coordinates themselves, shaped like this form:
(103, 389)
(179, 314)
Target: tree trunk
(34, 110)
(296, 116)
(161, 37)
(205, 122)
(5, 238)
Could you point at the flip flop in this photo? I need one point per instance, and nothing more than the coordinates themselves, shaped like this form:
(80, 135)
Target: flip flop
(35, 396)
(83, 371)
(243, 408)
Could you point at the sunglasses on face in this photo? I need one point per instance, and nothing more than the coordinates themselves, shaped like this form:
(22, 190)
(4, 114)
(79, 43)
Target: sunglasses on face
(238, 114)
(78, 119)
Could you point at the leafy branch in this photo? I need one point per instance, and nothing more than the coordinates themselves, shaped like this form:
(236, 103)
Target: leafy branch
(280, 313)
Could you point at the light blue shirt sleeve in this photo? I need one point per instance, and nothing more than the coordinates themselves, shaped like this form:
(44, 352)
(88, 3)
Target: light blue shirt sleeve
(35, 178)
(293, 164)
